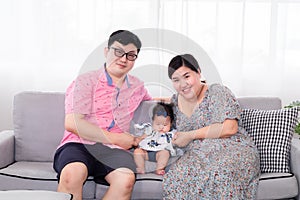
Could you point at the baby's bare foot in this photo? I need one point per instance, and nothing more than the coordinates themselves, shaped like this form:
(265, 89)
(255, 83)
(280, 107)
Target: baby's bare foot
(140, 171)
(160, 171)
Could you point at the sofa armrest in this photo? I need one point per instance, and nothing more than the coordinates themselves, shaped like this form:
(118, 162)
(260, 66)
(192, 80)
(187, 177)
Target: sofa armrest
(295, 159)
(7, 149)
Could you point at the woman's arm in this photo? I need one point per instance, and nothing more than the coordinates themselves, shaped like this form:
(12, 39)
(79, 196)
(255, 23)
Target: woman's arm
(218, 130)
(162, 99)
(76, 124)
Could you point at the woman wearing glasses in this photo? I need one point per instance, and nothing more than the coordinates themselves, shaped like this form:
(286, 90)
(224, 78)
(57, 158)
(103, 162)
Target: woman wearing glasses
(99, 106)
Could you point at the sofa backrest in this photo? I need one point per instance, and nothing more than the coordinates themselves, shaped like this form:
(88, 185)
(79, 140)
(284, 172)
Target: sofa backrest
(261, 103)
(38, 119)
(142, 114)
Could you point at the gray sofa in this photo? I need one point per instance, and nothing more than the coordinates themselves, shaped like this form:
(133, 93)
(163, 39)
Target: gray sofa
(26, 153)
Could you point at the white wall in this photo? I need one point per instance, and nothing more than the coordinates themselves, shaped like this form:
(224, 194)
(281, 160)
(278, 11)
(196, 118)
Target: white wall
(254, 44)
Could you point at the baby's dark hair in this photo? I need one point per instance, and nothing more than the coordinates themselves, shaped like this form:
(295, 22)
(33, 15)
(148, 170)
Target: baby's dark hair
(163, 109)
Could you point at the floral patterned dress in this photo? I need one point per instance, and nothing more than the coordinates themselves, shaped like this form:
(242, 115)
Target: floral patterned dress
(223, 168)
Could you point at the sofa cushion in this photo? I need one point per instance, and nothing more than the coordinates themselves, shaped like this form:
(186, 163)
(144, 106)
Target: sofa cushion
(28, 175)
(142, 114)
(277, 186)
(272, 132)
(38, 125)
(34, 194)
(261, 103)
(147, 186)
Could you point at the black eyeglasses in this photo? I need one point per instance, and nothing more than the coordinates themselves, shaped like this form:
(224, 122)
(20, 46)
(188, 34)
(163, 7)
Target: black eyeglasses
(120, 53)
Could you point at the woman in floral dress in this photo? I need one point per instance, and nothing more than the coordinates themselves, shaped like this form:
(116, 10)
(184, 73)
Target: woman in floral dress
(220, 159)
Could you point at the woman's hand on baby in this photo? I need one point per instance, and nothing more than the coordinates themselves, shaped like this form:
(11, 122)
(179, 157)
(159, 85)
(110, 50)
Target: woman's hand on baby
(182, 139)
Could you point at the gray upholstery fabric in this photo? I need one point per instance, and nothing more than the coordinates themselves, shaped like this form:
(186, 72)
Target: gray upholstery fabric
(30, 175)
(7, 147)
(277, 186)
(142, 114)
(34, 194)
(38, 125)
(264, 103)
(29, 169)
(261, 103)
(295, 160)
(147, 186)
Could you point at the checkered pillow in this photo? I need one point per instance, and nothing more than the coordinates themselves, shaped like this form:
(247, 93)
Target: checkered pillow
(272, 132)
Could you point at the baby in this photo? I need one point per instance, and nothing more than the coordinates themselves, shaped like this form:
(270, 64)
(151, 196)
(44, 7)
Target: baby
(155, 144)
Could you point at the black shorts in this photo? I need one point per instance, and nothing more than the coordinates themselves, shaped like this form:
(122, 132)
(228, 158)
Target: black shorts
(152, 155)
(99, 159)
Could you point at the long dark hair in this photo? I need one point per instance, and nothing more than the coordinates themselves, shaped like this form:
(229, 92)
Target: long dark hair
(183, 60)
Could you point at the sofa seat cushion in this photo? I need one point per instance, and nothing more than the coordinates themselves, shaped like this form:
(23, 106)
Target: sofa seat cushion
(26, 175)
(277, 186)
(30, 170)
(271, 186)
(34, 194)
(147, 186)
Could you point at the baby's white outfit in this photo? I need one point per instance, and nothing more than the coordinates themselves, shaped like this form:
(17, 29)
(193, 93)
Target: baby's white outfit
(155, 141)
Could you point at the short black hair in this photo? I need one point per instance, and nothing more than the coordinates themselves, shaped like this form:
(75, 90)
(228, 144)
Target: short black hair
(183, 60)
(125, 37)
(163, 109)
